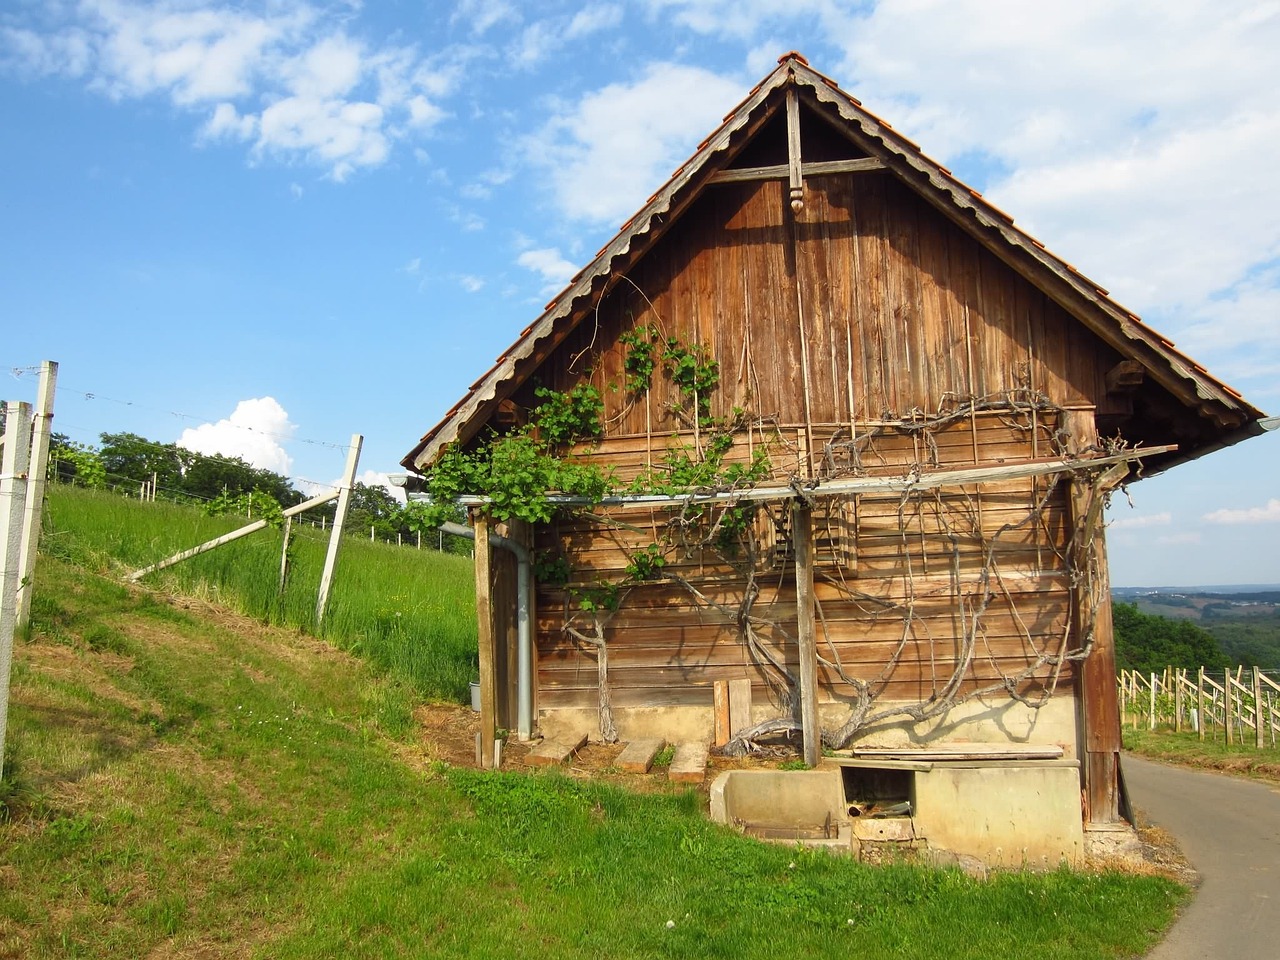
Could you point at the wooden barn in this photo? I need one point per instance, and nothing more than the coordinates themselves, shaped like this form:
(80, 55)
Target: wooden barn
(855, 431)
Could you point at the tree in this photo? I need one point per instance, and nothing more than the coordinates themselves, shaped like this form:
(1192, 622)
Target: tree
(71, 462)
(133, 459)
(1149, 643)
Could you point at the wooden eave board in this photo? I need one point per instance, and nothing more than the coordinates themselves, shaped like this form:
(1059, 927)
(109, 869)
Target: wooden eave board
(457, 425)
(1085, 300)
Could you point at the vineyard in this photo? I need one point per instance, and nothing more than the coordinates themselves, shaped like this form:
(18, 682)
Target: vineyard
(407, 611)
(1243, 709)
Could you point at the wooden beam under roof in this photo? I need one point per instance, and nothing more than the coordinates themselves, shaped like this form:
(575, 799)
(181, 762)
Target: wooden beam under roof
(782, 171)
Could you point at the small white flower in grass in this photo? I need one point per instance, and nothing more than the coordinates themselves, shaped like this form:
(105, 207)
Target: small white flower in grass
(849, 921)
(791, 865)
(671, 924)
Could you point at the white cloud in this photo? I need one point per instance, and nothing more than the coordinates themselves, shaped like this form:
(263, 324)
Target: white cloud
(484, 15)
(1138, 523)
(471, 283)
(593, 19)
(290, 80)
(554, 269)
(1135, 139)
(255, 432)
(606, 153)
(1268, 514)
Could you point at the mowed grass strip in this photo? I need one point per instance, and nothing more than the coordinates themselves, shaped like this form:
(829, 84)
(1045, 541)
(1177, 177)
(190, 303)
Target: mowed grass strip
(189, 785)
(1212, 753)
(408, 612)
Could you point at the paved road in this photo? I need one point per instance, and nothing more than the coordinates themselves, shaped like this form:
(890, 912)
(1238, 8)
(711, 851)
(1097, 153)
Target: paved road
(1230, 831)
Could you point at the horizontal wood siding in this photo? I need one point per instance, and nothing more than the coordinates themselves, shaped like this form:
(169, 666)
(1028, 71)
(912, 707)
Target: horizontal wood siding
(895, 579)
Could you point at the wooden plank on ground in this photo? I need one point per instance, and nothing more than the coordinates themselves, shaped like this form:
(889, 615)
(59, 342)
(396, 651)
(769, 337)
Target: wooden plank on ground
(551, 752)
(689, 765)
(638, 755)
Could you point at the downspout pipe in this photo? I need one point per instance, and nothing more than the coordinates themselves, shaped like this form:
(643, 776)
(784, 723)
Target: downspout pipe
(524, 631)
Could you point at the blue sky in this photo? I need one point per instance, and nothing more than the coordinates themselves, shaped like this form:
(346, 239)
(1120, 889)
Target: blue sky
(351, 209)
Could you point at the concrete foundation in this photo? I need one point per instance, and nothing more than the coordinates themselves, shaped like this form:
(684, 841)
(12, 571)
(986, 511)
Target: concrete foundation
(1009, 813)
(997, 722)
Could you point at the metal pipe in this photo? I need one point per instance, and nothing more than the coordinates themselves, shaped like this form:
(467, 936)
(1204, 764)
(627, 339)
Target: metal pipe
(524, 632)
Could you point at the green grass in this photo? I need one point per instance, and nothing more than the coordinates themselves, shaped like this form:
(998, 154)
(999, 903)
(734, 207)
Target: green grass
(185, 783)
(409, 612)
(194, 786)
(1211, 754)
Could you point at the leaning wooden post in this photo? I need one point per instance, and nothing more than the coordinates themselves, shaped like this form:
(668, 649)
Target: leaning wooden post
(802, 540)
(339, 518)
(1151, 722)
(487, 639)
(1226, 705)
(1200, 702)
(1259, 740)
(41, 428)
(13, 486)
(284, 553)
(1177, 700)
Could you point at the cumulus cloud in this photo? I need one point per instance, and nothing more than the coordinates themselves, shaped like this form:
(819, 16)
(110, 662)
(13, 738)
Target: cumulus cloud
(554, 269)
(1267, 514)
(1138, 523)
(289, 81)
(255, 432)
(605, 153)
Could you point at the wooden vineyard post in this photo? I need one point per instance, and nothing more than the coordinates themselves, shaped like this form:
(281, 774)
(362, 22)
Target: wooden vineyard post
(1259, 740)
(802, 540)
(339, 519)
(1227, 721)
(1200, 702)
(1177, 700)
(1151, 720)
(41, 430)
(487, 639)
(13, 488)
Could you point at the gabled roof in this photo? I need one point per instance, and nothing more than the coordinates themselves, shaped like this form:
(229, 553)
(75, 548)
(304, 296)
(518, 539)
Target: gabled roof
(995, 230)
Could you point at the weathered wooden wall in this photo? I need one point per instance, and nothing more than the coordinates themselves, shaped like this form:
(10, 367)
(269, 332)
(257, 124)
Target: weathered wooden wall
(888, 574)
(866, 309)
(899, 308)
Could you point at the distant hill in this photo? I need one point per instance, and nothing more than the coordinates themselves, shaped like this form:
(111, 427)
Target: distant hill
(1244, 619)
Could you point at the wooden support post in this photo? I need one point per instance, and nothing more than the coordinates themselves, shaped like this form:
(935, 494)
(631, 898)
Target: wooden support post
(802, 542)
(41, 429)
(13, 487)
(1091, 607)
(339, 518)
(795, 172)
(488, 645)
(1259, 740)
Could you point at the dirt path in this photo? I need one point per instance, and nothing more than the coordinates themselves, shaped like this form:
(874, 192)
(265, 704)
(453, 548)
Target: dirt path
(1230, 830)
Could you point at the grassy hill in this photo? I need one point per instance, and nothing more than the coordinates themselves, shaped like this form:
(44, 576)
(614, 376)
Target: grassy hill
(188, 781)
(409, 612)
